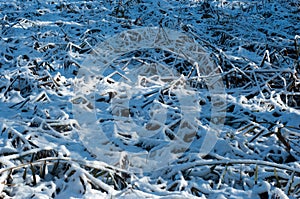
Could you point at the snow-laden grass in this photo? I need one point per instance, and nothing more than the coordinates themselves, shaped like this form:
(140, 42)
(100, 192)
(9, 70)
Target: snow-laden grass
(255, 45)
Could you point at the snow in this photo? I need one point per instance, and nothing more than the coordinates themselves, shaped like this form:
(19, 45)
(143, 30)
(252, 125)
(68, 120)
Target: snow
(149, 99)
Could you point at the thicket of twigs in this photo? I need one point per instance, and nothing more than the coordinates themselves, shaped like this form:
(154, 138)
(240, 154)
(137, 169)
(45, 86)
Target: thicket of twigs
(256, 46)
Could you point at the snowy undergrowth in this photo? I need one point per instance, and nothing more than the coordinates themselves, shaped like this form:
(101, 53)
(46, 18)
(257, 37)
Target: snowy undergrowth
(255, 44)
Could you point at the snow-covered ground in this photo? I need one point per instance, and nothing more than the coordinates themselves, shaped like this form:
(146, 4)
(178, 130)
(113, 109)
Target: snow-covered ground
(47, 151)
